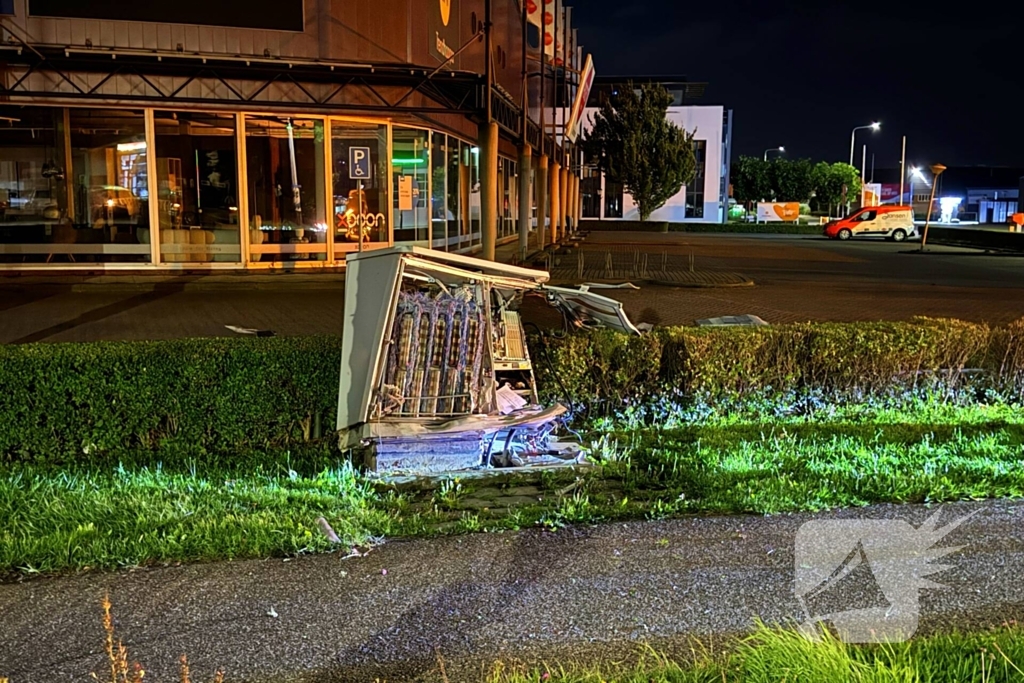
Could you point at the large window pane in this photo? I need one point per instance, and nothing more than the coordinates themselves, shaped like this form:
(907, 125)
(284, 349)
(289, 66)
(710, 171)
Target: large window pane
(287, 198)
(197, 176)
(439, 212)
(411, 167)
(371, 219)
(456, 203)
(73, 185)
(474, 194)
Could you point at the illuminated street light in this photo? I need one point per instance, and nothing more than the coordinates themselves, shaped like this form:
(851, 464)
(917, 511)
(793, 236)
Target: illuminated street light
(780, 149)
(876, 126)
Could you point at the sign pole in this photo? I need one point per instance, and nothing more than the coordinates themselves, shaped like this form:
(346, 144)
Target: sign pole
(903, 170)
(359, 212)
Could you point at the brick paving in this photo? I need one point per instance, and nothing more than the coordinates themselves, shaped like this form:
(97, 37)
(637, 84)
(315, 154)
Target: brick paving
(796, 279)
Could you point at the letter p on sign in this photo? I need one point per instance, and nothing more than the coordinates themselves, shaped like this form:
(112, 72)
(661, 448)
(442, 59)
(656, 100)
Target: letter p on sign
(359, 163)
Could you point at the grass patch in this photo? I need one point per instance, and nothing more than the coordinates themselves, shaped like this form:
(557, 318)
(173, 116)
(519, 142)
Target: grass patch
(773, 655)
(60, 519)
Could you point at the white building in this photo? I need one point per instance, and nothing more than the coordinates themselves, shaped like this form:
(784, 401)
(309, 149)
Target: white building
(706, 199)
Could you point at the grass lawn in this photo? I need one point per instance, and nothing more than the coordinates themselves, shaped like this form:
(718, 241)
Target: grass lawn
(72, 518)
(774, 655)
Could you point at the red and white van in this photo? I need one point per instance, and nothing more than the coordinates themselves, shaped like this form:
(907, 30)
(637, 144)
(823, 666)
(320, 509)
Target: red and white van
(891, 222)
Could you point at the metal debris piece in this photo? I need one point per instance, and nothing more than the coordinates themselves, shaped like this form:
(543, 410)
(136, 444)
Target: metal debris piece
(250, 331)
(733, 321)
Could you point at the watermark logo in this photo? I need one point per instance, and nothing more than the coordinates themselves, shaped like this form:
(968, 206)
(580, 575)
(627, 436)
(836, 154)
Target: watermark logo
(863, 576)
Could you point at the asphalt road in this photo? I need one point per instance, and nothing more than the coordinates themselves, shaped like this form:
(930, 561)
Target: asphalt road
(797, 278)
(530, 596)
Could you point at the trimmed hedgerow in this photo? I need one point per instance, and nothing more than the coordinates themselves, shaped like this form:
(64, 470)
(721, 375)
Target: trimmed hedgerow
(179, 400)
(231, 400)
(848, 360)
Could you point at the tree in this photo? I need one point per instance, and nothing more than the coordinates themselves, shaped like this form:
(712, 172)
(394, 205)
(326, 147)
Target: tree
(635, 144)
(791, 180)
(834, 184)
(750, 181)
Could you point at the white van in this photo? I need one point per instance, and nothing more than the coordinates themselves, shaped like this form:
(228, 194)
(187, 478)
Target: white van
(891, 222)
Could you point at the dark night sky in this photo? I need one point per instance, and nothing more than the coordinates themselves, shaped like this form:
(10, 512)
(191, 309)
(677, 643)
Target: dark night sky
(802, 74)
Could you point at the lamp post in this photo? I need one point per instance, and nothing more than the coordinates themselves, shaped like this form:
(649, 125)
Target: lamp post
(779, 149)
(937, 170)
(874, 126)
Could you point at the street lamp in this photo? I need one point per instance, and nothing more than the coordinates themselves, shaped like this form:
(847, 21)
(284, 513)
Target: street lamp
(874, 126)
(779, 149)
(937, 170)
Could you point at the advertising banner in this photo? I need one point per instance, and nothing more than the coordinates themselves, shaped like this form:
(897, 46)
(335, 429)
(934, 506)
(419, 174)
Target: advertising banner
(778, 212)
(572, 130)
(443, 30)
(872, 194)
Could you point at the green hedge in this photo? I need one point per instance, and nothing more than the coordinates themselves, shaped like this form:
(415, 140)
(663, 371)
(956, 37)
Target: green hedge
(233, 399)
(169, 400)
(846, 359)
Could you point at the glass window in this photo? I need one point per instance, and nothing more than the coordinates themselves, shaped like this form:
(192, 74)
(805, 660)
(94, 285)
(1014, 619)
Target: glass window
(612, 199)
(458, 178)
(590, 188)
(508, 198)
(695, 191)
(73, 185)
(197, 175)
(472, 157)
(439, 212)
(410, 164)
(361, 206)
(287, 200)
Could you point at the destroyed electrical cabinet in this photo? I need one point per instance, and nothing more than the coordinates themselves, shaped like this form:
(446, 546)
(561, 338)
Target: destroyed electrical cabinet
(435, 372)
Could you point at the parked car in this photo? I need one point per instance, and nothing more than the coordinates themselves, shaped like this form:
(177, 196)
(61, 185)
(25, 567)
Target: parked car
(891, 222)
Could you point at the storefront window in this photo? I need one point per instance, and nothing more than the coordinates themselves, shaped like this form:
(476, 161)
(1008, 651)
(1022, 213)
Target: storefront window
(439, 212)
(590, 189)
(197, 175)
(285, 175)
(410, 165)
(361, 205)
(458, 178)
(475, 208)
(508, 198)
(73, 185)
(613, 193)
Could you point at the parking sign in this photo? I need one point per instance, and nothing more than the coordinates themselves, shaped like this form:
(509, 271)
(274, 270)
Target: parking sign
(359, 163)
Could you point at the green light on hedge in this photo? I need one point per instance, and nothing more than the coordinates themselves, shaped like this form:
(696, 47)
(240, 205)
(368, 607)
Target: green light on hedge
(407, 161)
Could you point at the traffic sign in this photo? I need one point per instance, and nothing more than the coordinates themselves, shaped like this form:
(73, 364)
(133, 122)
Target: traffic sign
(359, 163)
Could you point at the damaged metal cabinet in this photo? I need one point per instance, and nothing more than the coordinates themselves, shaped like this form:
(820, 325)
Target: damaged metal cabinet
(435, 372)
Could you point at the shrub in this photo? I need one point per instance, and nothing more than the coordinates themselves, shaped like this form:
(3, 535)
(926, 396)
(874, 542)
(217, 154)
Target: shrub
(228, 400)
(845, 360)
(182, 399)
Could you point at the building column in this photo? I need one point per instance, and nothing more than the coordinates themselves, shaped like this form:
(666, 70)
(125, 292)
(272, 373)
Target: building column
(556, 201)
(488, 189)
(542, 201)
(525, 199)
(563, 198)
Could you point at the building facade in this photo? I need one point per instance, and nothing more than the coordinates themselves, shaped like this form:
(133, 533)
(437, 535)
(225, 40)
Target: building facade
(703, 201)
(206, 135)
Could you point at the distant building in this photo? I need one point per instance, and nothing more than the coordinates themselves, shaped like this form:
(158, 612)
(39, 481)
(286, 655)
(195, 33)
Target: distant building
(706, 199)
(987, 194)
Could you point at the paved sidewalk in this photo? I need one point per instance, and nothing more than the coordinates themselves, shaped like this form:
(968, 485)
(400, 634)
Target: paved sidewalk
(531, 595)
(796, 279)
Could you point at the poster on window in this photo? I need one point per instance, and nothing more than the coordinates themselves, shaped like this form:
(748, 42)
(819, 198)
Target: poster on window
(443, 30)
